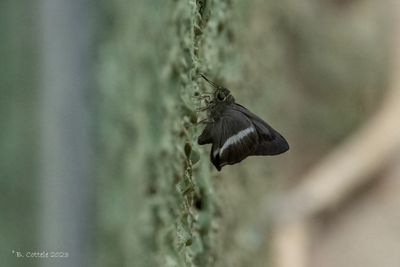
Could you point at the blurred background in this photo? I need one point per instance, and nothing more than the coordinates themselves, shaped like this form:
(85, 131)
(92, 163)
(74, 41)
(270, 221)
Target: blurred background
(99, 162)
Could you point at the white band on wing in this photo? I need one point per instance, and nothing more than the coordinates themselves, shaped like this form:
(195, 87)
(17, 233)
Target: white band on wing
(236, 138)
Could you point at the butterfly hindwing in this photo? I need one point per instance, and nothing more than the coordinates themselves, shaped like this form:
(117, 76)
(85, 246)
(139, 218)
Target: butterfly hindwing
(270, 141)
(270, 144)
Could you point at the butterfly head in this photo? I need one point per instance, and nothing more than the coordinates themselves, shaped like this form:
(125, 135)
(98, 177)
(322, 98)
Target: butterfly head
(221, 94)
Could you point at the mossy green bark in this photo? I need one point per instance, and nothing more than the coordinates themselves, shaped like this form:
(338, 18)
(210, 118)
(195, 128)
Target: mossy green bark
(157, 205)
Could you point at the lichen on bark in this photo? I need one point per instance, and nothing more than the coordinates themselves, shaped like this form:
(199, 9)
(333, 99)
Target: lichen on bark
(157, 203)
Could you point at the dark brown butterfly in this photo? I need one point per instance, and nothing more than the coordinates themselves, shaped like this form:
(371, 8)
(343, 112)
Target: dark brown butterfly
(234, 132)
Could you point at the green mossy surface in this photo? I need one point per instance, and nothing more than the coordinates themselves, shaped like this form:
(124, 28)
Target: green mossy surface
(157, 205)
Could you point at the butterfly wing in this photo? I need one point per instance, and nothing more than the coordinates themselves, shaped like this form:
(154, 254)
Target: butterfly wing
(270, 141)
(233, 138)
(207, 135)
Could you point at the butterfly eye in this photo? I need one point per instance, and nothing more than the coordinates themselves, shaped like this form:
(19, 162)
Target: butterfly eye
(221, 96)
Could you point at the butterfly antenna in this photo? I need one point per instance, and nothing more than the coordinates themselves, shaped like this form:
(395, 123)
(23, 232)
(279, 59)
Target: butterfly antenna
(216, 86)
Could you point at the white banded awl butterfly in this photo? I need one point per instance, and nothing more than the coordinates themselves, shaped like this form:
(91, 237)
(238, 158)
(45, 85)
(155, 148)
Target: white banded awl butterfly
(234, 132)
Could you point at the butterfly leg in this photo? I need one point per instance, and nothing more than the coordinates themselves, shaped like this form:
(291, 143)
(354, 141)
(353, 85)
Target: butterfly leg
(203, 108)
(209, 104)
(206, 98)
(196, 94)
(205, 121)
(202, 96)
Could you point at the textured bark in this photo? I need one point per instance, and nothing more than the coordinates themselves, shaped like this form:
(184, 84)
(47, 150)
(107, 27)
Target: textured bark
(157, 199)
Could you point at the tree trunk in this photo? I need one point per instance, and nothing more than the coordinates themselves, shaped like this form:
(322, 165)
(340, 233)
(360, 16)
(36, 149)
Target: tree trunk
(156, 198)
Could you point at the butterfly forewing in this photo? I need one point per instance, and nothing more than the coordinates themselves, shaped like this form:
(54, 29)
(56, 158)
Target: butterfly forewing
(238, 138)
(233, 138)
